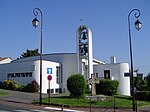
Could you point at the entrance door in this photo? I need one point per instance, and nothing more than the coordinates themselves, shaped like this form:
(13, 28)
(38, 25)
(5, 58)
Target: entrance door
(106, 74)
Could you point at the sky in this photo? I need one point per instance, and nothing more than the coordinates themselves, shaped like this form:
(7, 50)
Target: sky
(61, 18)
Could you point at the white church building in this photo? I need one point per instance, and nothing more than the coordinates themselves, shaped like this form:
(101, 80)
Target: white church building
(62, 65)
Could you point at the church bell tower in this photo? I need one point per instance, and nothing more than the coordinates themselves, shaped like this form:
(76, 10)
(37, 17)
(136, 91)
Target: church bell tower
(84, 51)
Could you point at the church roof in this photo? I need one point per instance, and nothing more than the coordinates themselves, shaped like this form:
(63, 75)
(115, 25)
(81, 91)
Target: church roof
(1, 59)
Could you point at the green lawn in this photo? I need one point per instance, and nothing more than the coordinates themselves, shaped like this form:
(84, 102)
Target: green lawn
(76, 102)
(2, 93)
(121, 102)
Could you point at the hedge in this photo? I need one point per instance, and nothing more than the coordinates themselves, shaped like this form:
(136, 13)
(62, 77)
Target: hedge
(143, 95)
(107, 87)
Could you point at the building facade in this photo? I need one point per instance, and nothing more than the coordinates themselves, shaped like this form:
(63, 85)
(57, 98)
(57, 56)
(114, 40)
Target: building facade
(62, 65)
(115, 71)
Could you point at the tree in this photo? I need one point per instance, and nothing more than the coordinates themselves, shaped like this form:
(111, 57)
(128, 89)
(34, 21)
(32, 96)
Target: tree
(29, 53)
(76, 85)
(148, 80)
(139, 83)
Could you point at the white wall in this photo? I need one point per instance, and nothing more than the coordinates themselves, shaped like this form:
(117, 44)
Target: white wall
(22, 67)
(45, 85)
(68, 63)
(30, 67)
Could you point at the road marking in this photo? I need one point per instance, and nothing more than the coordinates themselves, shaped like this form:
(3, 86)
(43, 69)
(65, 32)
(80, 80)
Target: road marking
(3, 111)
(59, 109)
(20, 111)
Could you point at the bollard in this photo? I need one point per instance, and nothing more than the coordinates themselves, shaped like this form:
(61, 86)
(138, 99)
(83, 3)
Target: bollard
(62, 108)
(136, 106)
(114, 104)
(90, 104)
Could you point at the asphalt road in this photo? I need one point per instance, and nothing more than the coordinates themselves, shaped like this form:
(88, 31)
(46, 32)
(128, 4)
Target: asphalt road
(22, 102)
(10, 106)
(20, 96)
(18, 101)
(4, 106)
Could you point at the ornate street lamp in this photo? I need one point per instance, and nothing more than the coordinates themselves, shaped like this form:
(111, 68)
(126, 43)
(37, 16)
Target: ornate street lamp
(35, 22)
(138, 25)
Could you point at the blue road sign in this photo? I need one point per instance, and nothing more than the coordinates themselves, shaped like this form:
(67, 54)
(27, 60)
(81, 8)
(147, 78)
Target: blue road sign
(49, 70)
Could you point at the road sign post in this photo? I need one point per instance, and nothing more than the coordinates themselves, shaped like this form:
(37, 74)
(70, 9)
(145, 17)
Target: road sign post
(49, 78)
(49, 92)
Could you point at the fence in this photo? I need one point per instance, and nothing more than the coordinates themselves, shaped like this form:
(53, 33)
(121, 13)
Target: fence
(108, 104)
(102, 103)
(102, 107)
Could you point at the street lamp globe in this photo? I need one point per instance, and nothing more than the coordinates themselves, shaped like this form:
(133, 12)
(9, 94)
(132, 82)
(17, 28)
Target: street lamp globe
(138, 24)
(35, 22)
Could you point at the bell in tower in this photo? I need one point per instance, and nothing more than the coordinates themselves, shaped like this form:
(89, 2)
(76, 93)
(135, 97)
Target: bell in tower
(84, 36)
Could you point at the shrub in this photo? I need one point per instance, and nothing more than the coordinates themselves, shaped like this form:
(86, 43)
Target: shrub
(76, 85)
(31, 87)
(144, 88)
(13, 85)
(107, 87)
(139, 83)
(21, 88)
(87, 90)
(143, 95)
(10, 84)
(1, 85)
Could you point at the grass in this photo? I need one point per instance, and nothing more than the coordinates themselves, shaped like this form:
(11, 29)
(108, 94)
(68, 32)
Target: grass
(121, 102)
(2, 93)
(126, 102)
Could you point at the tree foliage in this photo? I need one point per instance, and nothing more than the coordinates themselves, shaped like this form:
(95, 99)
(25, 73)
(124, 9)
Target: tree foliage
(76, 85)
(29, 53)
(139, 83)
(148, 80)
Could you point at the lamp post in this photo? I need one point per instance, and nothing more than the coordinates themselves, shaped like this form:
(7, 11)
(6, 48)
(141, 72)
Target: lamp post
(137, 26)
(35, 22)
